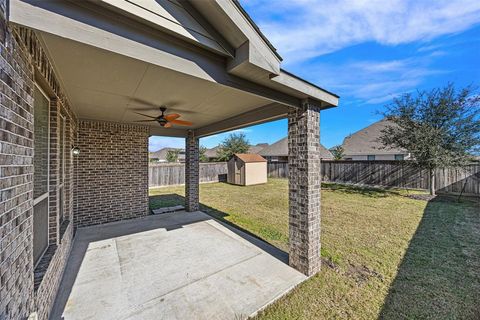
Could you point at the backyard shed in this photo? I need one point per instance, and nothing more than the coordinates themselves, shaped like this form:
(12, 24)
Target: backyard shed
(247, 169)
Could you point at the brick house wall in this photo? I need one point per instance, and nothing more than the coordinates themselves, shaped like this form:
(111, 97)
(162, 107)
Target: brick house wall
(112, 172)
(16, 176)
(23, 288)
(107, 182)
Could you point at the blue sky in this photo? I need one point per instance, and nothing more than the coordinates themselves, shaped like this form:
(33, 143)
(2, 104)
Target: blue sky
(365, 51)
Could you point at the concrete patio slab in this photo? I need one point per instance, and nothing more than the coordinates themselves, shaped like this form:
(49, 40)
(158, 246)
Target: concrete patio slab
(172, 266)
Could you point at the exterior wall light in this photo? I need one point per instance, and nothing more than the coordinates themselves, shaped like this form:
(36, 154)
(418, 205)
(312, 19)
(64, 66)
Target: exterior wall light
(75, 151)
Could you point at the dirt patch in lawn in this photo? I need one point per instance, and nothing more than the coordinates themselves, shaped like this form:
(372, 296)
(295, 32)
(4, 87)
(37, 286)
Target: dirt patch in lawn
(329, 263)
(362, 274)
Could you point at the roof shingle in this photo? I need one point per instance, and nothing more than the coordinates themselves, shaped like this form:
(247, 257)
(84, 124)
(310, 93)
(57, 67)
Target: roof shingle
(366, 141)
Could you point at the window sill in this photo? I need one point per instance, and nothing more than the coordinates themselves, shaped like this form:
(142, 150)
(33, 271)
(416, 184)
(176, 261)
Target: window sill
(42, 266)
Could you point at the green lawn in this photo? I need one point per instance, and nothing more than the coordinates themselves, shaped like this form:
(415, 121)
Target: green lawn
(385, 255)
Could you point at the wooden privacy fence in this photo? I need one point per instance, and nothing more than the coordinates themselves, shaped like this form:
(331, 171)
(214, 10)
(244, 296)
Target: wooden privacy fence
(277, 170)
(375, 173)
(170, 174)
(463, 180)
(400, 174)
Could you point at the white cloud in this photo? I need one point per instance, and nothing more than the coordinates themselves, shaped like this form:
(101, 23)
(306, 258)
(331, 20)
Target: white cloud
(374, 82)
(243, 130)
(302, 29)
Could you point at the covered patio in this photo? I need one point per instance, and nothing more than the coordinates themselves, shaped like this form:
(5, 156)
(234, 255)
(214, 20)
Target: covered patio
(91, 73)
(170, 266)
(114, 86)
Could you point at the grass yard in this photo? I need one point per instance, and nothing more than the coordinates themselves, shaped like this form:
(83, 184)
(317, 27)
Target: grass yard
(385, 255)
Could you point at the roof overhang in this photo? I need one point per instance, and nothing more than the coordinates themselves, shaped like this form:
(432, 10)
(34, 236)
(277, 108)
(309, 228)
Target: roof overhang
(211, 41)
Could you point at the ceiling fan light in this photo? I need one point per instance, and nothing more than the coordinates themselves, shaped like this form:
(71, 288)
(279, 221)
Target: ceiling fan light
(162, 122)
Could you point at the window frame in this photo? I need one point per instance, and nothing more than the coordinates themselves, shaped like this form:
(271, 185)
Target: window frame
(62, 124)
(45, 195)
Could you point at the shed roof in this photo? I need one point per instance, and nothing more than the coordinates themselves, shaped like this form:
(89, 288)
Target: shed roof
(248, 157)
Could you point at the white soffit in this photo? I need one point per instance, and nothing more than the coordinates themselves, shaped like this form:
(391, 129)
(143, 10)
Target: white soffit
(105, 86)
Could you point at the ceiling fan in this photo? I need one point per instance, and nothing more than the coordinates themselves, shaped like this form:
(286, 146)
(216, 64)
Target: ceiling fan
(166, 120)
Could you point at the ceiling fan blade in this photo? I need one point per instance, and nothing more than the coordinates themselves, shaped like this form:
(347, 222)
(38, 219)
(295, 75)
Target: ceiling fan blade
(182, 122)
(145, 115)
(167, 125)
(172, 116)
(153, 120)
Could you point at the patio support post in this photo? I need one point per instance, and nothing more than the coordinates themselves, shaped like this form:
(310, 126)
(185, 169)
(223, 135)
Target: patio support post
(304, 187)
(192, 181)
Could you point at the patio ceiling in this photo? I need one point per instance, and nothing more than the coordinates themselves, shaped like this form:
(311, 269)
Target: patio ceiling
(105, 86)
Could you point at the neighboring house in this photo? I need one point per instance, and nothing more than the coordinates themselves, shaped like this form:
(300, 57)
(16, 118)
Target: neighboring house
(278, 152)
(365, 145)
(211, 154)
(161, 155)
(81, 85)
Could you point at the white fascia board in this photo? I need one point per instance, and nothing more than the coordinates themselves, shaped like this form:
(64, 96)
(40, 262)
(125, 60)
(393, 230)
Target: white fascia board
(303, 87)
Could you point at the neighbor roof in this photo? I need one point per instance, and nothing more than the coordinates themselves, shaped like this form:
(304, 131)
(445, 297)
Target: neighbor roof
(248, 157)
(366, 141)
(257, 148)
(280, 149)
(162, 153)
(212, 153)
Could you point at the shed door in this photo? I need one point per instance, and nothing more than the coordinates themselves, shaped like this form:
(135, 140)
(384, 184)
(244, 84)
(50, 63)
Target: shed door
(238, 170)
